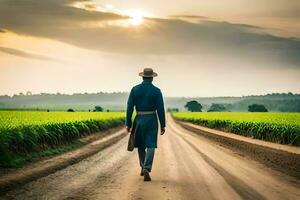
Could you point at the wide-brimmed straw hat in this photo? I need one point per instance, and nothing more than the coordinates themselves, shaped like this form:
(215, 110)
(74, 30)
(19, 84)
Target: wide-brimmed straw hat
(148, 72)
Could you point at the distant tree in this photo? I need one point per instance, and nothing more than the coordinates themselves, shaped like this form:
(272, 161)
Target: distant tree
(98, 109)
(193, 106)
(216, 108)
(48, 110)
(89, 110)
(257, 108)
(70, 110)
(107, 110)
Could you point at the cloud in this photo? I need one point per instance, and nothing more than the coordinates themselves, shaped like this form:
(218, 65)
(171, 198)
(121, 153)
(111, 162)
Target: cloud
(56, 19)
(33, 16)
(188, 16)
(24, 54)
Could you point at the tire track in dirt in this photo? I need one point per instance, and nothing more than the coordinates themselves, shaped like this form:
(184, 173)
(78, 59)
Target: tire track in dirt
(244, 190)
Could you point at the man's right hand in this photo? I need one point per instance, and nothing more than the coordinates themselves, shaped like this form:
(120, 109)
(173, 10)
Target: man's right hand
(128, 129)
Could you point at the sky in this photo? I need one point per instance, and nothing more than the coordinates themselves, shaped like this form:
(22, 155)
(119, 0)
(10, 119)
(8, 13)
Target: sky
(198, 47)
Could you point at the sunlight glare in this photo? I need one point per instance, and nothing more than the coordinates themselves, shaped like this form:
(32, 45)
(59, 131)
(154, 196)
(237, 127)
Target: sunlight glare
(136, 18)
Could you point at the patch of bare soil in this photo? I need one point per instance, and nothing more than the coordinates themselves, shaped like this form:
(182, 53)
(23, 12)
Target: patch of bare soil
(284, 159)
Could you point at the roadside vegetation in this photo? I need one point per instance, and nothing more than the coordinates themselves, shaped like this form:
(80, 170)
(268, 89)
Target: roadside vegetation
(24, 133)
(283, 128)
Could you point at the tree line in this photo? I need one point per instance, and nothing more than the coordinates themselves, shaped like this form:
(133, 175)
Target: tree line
(195, 106)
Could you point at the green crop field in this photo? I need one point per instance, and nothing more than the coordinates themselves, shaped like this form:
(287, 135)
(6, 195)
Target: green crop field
(23, 132)
(283, 128)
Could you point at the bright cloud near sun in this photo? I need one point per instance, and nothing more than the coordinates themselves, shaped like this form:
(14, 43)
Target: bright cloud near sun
(136, 18)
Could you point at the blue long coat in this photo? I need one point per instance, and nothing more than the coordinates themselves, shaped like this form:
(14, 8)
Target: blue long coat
(145, 97)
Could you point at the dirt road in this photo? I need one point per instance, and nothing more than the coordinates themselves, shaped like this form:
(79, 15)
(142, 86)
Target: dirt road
(186, 166)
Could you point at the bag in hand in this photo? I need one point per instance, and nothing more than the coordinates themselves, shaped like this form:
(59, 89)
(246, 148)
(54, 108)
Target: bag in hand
(130, 146)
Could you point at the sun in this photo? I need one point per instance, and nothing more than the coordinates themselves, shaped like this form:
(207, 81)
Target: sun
(136, 18)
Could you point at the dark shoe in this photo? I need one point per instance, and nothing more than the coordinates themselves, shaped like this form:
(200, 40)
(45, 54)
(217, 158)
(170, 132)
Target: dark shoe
(146, 175)
(142, 173)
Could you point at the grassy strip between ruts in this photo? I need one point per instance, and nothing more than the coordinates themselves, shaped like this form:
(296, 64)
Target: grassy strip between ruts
(26, 134)
(283, 128)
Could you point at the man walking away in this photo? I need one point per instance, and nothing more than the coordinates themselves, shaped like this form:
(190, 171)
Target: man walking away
(148, 102)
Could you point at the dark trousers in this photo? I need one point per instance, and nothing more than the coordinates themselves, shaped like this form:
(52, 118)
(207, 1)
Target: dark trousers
(146, 156)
